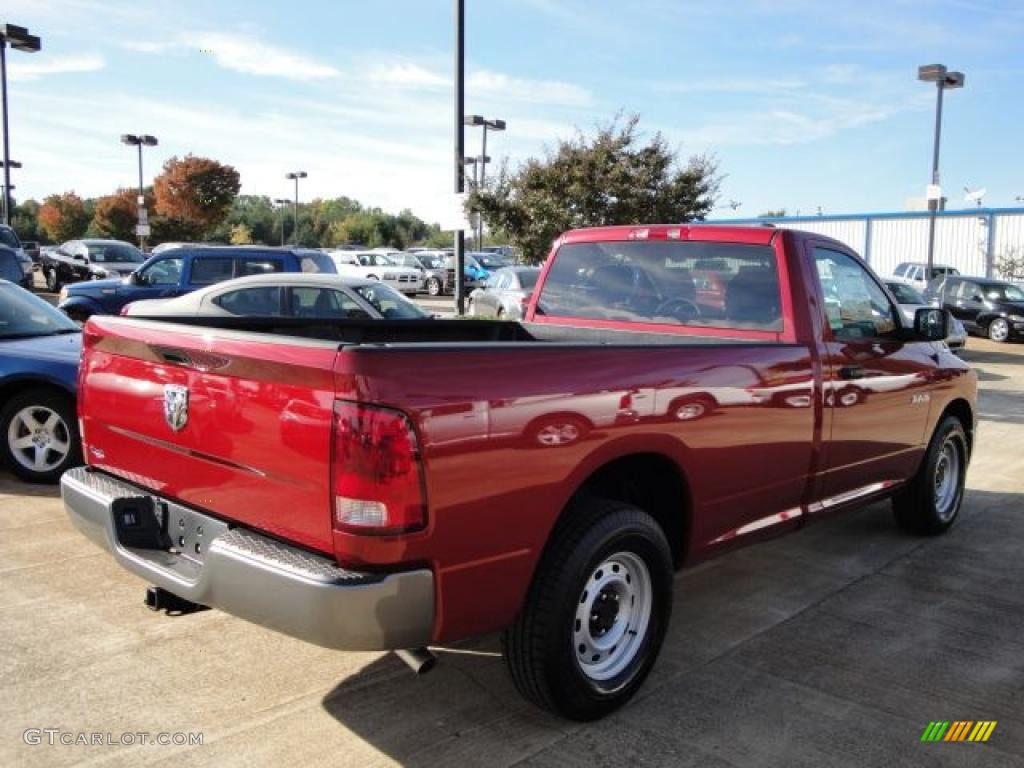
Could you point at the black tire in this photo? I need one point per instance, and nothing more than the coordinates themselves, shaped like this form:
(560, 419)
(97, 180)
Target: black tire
(434, 286)
(540, 646)
(923, 507)
(45, 400)
(998, 330)
(53, 284)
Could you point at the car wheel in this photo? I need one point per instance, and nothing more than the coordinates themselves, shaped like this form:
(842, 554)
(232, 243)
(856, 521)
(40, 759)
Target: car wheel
(557, 430)
(52, 281)
(930, 502)
(501, 313)
(690, 408)
(596, 612)
(434, 286)
(999, 330)
(40, 435)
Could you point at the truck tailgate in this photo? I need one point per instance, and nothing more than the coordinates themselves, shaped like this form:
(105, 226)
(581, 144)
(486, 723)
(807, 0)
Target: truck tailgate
(237, 425)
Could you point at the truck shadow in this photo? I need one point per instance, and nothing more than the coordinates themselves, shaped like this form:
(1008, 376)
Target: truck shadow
(739, 615)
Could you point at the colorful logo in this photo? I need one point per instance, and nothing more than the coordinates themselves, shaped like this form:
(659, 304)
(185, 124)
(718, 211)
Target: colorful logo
(959, 730)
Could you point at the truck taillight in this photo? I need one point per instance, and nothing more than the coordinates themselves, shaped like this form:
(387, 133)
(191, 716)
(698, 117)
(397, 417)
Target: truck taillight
(376, 475)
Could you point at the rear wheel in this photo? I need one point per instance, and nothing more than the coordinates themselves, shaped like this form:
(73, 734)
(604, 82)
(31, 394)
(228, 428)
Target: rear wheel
(596, 614)
(930, 503)
(999, 330)
(52, 281)
(40, 435)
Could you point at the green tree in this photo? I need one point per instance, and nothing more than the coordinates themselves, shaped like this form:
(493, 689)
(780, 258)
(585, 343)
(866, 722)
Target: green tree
(25, 220)
(63, 217)
(613, 177)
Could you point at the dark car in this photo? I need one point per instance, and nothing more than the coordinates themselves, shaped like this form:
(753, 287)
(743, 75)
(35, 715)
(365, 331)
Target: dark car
(182, 270)
(78, 260)
(993, 308)
(9, 238)
(39, 353)
(11, 268)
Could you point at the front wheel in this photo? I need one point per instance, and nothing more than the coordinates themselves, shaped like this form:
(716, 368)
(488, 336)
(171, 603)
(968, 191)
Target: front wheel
(596, 614)
(999, 330)
(930, 502)
(52, 281)
(40, 435)
(434, 287)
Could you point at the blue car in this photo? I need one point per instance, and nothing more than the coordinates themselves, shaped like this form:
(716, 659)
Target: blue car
(182, 270)
(39, 353)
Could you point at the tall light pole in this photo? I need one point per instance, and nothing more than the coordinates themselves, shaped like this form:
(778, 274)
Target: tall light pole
(281, 203)
(494, 125)
(140, 140)
(460, 149)
(474, 180)
(20, 40)
(296, 175)
(7, 187)
(944, 80)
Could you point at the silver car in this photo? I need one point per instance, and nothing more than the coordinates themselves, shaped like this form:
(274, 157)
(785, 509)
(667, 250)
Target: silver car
(314, 296)
(504, 293)
(910, 301)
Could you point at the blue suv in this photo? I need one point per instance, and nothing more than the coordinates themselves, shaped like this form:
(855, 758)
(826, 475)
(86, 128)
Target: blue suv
(182, 270)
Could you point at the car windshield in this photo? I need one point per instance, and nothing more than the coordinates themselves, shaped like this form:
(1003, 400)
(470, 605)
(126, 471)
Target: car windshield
(905, 294)
(8, 238)
(1003, 292)
(106, 253)
(23, 315)
(390, 303)
(490, 261)
(316, 262)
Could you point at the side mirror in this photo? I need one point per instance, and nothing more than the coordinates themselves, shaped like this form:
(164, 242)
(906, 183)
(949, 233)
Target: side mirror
(136, 278)
(79, 257)
(932, 324)
(977, 297)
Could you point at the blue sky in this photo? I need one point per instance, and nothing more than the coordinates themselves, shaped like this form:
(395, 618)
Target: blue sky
(804, 103)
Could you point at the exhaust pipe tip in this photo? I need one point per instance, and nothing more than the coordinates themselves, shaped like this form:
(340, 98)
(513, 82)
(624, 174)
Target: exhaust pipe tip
(419, 660)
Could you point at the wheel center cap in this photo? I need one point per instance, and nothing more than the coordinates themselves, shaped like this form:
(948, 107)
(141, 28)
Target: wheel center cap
(604, 612)
(41, 438)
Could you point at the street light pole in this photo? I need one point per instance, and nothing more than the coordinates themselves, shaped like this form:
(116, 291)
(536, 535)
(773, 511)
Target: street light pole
(296, 175)
(7, 186)
(281, 203)
(494, 125)
(943, 79)
(139, 141)
(460, 148)
(20, 40)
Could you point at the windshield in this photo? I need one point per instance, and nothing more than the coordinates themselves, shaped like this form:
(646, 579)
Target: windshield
(8, 238)
(432, 262)
(490, 261)
(905, 294)
(314, 261)
(23, 315)
(390, 303)
(106, 253)
(1007, 292)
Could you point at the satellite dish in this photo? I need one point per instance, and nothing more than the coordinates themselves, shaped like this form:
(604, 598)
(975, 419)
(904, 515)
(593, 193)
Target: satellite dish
(975, 195)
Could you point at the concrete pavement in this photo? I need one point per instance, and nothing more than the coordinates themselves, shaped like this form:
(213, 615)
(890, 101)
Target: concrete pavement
(835, 646)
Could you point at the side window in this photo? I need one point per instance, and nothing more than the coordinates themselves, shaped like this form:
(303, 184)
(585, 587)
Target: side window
(950, 289)
(254, 265)
(496, 282)
(265, 300)
(855, 305)
(901, 270)
(207, 271)
(163, 272)
(314, 302)
(968, 291)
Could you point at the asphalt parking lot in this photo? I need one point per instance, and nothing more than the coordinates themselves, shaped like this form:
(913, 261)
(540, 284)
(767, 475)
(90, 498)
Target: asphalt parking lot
(835, 646)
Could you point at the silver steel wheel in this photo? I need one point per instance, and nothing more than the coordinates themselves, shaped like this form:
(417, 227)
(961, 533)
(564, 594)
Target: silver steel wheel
(612, 616)
(434, 286)
(558, 434)
(690, 411)
(947, 480)
(999, 330)
(38, 438)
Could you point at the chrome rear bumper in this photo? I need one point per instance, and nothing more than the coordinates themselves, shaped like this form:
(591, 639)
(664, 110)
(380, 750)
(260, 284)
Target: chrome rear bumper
(254, 577)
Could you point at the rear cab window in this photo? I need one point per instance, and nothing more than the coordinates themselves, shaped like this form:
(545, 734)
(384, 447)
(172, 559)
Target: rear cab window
(207, 270)
(696, 284)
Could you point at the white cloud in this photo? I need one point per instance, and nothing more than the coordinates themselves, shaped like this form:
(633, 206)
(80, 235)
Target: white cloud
(150, 46)
(243, 53)
(498, 86)
(731, 85)
(32, 68)
(408, 75)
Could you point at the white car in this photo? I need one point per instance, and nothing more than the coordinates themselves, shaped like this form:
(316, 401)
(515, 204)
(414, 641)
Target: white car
(378, 265)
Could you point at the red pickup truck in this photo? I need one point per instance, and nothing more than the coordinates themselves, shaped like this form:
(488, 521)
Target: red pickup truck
(396, 484)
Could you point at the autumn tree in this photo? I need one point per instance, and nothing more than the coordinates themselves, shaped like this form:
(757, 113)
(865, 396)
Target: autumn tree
(116, 215)
(63, 217)
(196, 193)
(613, 177)
(241, 235)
